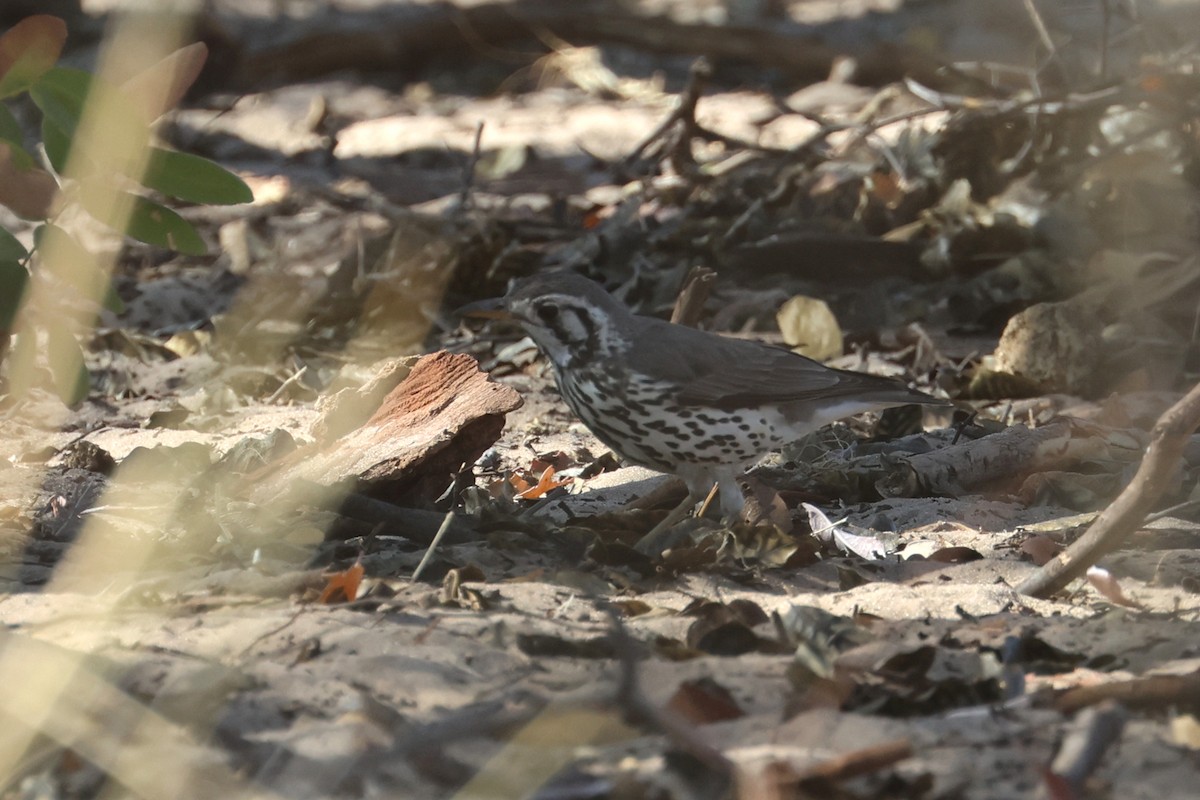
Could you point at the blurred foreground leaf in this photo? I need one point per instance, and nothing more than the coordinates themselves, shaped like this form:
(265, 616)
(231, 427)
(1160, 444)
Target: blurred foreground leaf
(194, 179)
(71, 379)
(27, 50)
(13, 280)
(147, 221)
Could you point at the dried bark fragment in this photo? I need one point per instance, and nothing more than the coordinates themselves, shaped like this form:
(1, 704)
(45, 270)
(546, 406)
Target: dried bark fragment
(443, 415)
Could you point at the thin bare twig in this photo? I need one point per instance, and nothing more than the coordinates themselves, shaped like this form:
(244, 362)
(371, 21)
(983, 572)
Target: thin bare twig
(1167, 440)
(464, 197)
(1145, 692)
(684, 113)
(437, 538)
(1088, 739)
(1040, 26)
(294, 378)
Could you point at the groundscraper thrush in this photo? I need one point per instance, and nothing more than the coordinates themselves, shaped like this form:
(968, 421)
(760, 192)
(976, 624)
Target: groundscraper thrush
(681, 400)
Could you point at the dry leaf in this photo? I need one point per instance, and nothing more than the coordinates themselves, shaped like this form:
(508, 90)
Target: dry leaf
(1040, 549)
(955, 555)
(545, 484)
(1107, 585)
(870, 548)
(342, 586)
(703, 701)
(1185, 731)
(810, 328)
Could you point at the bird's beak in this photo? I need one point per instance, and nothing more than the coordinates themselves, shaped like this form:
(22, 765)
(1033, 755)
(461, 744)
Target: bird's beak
(492, 308)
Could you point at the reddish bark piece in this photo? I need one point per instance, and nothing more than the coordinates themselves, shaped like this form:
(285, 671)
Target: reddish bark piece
(445, 400)
(443, 415)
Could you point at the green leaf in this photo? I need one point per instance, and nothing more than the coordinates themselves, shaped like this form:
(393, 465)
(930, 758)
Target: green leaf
(148, 221)
(156, 224)
(18, 156)
(57, 144)
(71, 85)
(68, 261)
(10, 248)
(14, 136)
(51, 240)
(60, 95)
(10, 129)
(20, 363)
(60, 118)
(14, 278)
(194, 179)
(71, 379)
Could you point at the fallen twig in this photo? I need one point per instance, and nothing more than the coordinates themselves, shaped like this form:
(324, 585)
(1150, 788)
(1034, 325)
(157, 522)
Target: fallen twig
(1153, 692)
(780, 780)
(437, 538)
(1125, 514)
(1083, 749)
(468, 177)
(684, 115)
(696, 288)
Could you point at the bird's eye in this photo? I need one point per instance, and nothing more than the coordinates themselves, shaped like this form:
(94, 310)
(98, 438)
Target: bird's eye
(547, 312)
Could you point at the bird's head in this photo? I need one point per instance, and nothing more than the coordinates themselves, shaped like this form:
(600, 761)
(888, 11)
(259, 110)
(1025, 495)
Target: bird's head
(568, 316)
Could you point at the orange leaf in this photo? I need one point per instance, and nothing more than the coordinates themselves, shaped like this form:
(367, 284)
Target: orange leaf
(160, 88)
(342, 586)
(544, 484)
(28, 49)
(1153, 84)
(518, 482)
(593, 218)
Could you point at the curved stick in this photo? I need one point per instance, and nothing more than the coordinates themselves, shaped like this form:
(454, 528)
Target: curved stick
(1128, 511)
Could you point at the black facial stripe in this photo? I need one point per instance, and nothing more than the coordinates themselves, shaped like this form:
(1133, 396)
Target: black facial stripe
(565, 323)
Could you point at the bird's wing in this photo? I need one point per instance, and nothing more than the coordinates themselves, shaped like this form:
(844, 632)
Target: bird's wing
(725, 373)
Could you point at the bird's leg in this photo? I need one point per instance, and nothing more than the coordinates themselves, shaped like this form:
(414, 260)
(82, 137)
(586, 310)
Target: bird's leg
(654, 542)
(732, 501)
